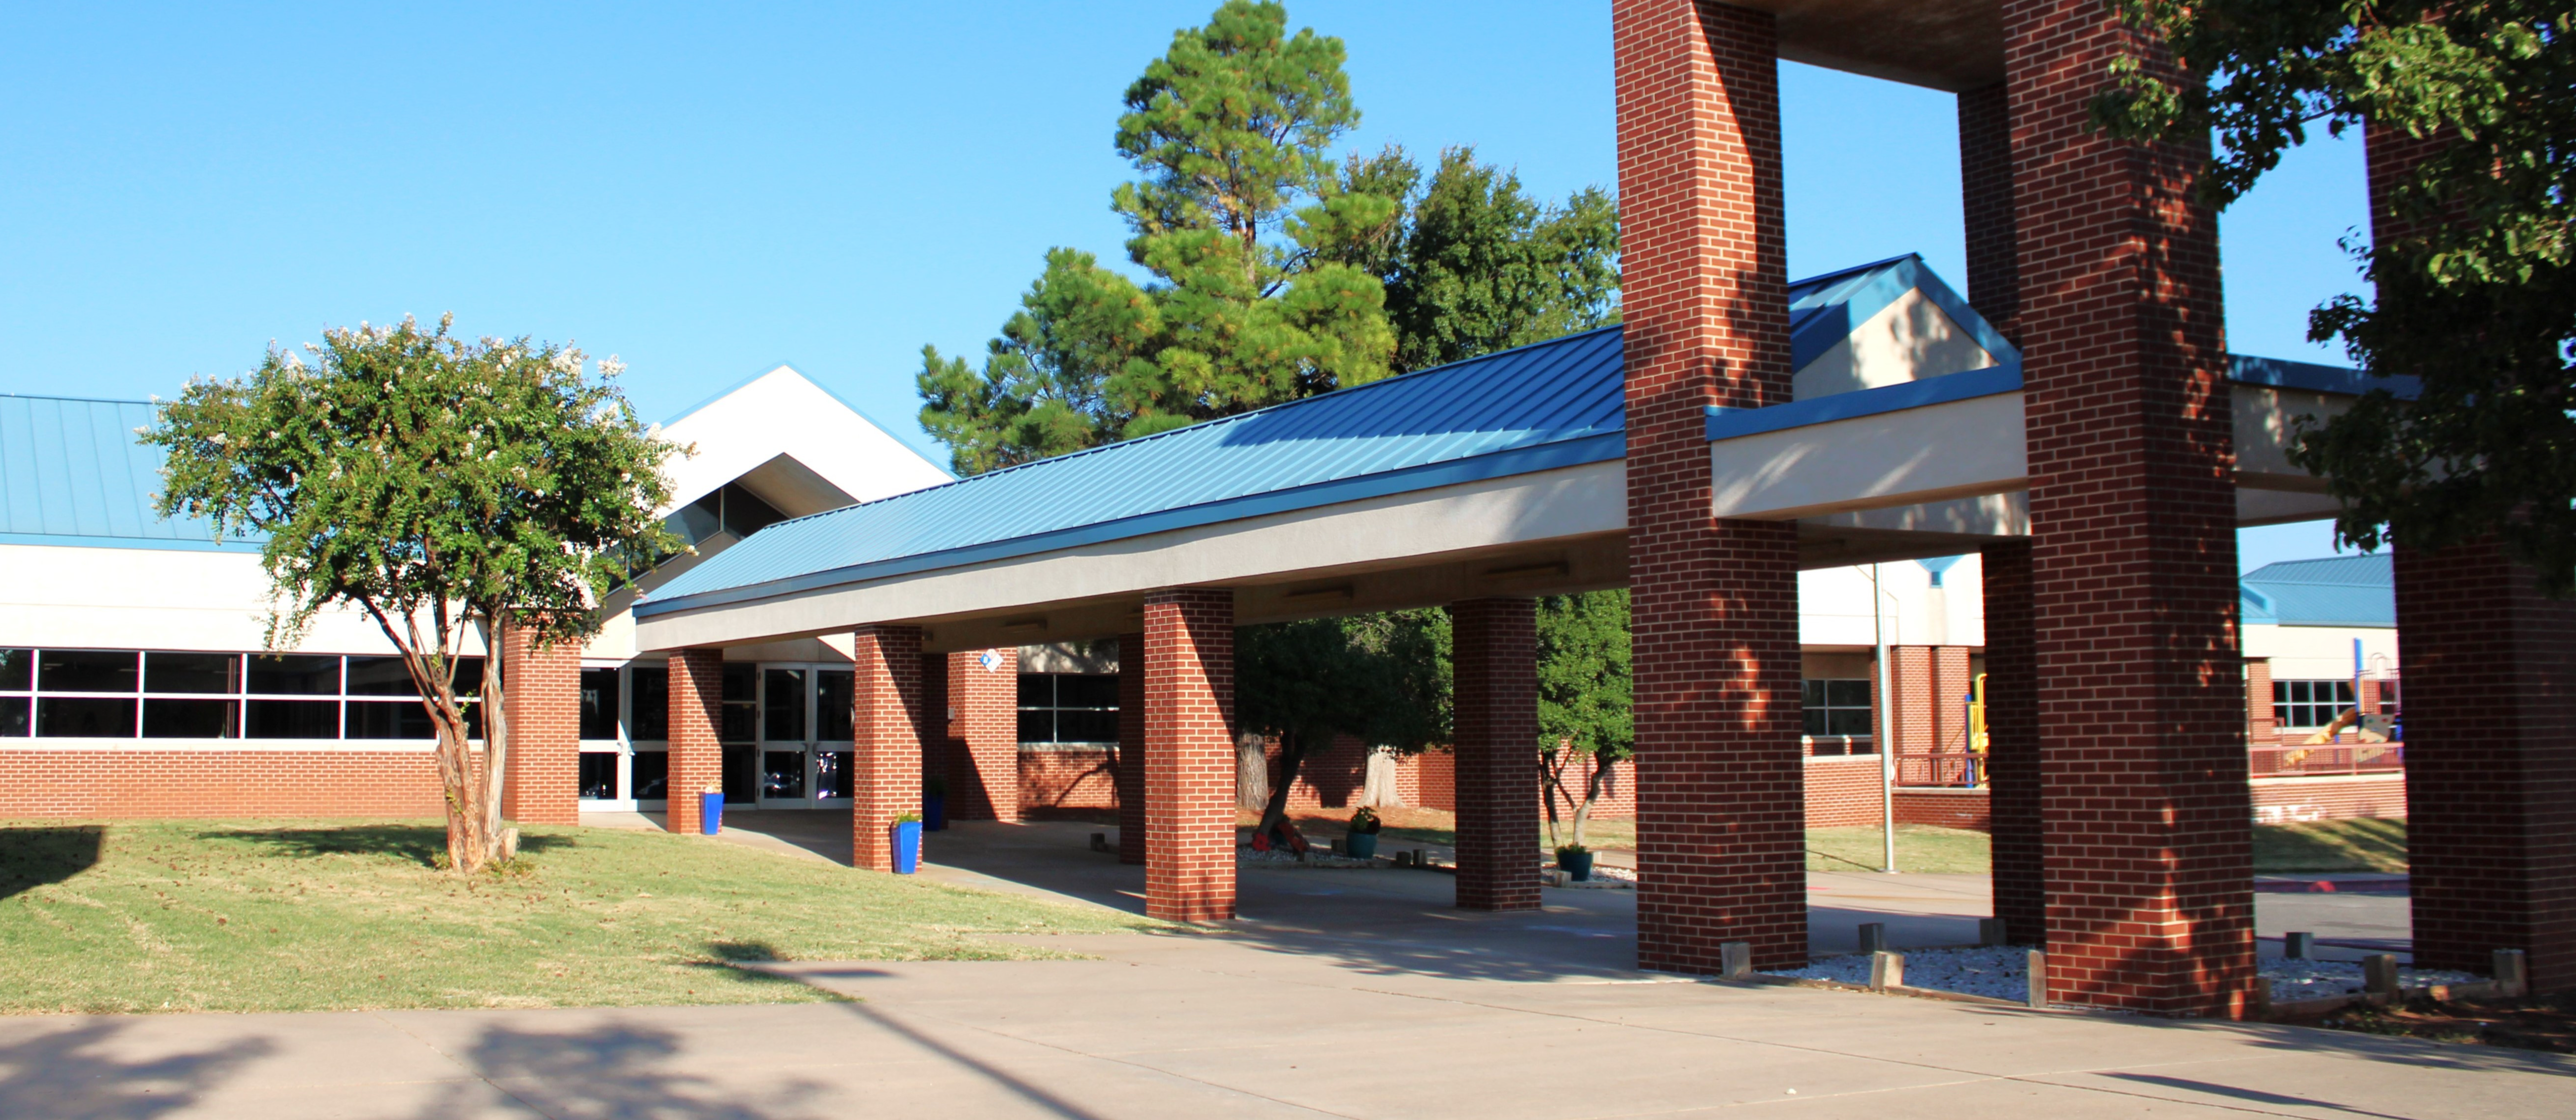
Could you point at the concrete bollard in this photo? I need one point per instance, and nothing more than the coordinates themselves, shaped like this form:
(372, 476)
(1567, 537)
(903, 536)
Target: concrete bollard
(1100, 842)
(1886, 970)
(2298, 946)
(2512, 973)
(1873, 937)
(1990, 932)
(1735, 960)
(2379, 975)
(1421, 859)
(2038, 979)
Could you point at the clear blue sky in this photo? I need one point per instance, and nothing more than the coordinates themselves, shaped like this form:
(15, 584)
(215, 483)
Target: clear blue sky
(707, 192)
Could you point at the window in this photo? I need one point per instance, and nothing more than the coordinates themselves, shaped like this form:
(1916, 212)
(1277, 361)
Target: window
(652, 771)
(2310, 703)
(17, 679)
(1837, 707)
(171, 694)
(648, 715)
(739, 719)
(1068, 708)
(599, 776)
(598, 705)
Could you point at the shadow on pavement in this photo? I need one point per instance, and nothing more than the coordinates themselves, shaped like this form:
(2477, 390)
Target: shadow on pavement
(36, 856)
(1018, 1087)
(74, 1075)
(608, 1072)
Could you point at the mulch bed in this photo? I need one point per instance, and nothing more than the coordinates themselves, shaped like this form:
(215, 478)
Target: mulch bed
(2545, 1023)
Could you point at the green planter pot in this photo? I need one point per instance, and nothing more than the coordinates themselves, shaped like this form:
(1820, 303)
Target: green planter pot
(1362, 845)
(1576, 865)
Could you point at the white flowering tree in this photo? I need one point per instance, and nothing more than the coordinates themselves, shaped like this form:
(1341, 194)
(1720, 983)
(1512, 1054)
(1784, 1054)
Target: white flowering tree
(437, 485)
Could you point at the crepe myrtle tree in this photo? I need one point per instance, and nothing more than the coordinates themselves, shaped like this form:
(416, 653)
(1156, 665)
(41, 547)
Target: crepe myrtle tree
(1585, 709)
(437, 485)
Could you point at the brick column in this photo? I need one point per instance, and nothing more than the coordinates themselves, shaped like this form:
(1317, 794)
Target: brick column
(541, 693)
(1950, 686)
(2133, 539)
(1721, 775)
(1494, 672)
(2490, 706)
(1911, 672)
(1131, 748)
(1189, 754)
(2012, 744)
(697, 758)
(1986, 197)
(984, 782)
(886, 722)
(2260, 730)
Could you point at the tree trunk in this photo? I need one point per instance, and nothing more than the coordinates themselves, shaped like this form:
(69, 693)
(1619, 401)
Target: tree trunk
(1292, 753)
(1251, 771)
(1591, 795)
(1378, 780)
(1551, 782)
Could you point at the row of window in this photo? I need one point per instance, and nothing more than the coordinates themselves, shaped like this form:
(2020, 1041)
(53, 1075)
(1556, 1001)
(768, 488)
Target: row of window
(155, 694)
(2304, 704)
(1068, 708)
(750, 775)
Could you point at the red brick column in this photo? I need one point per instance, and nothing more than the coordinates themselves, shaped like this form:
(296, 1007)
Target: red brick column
(2133, 547)
(1131, 748)
(1986, 197)
(886, 723)
(2012, 744)
(1721, 812)
(2490, 762)
(697, 757)
(1189, 754)
(1911, 672)
(1950, 686)
(541, 693)
(2260, 731)
(984, 782)
(1494, 671)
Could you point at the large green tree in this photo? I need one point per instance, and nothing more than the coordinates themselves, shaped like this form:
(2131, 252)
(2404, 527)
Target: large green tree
(438, 486)
(1381, 678)
(2474, 273)
(1272, 270)
(1584, 699)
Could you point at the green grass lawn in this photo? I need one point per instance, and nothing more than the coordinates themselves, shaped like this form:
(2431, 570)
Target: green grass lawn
(1920, 848)
(2364, 845)
(198, 916)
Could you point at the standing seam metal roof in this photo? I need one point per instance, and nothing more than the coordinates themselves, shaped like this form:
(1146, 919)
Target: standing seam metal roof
(2333, 591)
(72, 472)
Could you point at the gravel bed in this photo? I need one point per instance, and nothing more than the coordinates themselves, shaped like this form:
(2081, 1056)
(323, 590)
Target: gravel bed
(2000, 972)
(1282, 859)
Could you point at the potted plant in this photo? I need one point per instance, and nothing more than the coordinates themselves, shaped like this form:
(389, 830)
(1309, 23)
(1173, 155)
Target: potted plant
(934, 804)
(710, 809)
(906, 836)
(1576, 861)
(1362, 841)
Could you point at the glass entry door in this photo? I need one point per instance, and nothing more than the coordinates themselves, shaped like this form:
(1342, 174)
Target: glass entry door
(804, 736)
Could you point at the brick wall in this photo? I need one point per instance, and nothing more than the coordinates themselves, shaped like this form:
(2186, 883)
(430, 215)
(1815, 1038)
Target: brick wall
(1131, 748)
(1430, 779)
(2259, 727)
(2292, 800)
(1189, 754)
(886, 719)
(1714, 604)
(541, 693)
(1946, 808)
(1842, 791)
(1082, 778)
(2133, 539)
(1986, 199)
(697, 757)
(95, 783)
(1618, 801)
(984, 776)
(2490, 761)
(2012, 744)
(1494, 668)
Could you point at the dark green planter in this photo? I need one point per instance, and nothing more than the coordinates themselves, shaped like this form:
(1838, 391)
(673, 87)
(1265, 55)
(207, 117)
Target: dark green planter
(1576, 865)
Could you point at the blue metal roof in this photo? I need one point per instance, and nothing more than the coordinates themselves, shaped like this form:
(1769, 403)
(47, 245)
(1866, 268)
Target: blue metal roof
(1824, 310)
(73, 473)
(1553, 404)
(2335, 591)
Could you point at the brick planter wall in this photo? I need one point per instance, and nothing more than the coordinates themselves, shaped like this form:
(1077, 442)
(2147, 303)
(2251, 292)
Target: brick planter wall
(1842, 790)
(2291, 800)
(97, 783)
(1945, 808)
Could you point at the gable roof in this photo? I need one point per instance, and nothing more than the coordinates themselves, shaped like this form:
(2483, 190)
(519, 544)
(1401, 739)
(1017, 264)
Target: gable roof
(2332, 591)
(72, 472)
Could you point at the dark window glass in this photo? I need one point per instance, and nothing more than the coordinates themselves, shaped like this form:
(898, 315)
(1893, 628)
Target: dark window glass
(191, 719)
(651, 772)
(390, 719)
(738, 721)
(598, 776)
(741, 682)
(1812, 693)
(294, 719)
(832, 774)
(1086, 692)
(380, 676)
(782, 717)
(648, 717)
(218, 673)
(1847, 721)
(1037, 690)
(1847, 694)
(598, 704)
(700, 519)
(86, 670)
(741, 774)
(1086, 727)
(13, 716)
(14, 665)
(745, 513)
(832, 707)
(1835, 707)
(294, 675)
(782, 774)
(85, 718)
(1037, 726)
(1815, 719)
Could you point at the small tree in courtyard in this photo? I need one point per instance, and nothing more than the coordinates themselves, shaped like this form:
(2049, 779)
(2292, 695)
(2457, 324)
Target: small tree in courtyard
(1382, 678)
(1583, 698)
(437, 485)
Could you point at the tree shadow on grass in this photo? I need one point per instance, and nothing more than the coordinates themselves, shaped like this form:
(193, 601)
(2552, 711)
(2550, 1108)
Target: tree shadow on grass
(75, 1074)
(422, 844)
(615, 1071)
(33, 857)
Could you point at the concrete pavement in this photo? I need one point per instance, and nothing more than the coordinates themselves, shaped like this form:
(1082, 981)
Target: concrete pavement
(1342, 993)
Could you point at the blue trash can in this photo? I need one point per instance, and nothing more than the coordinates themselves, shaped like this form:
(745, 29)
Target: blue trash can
(907, 847)
(710, 813)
